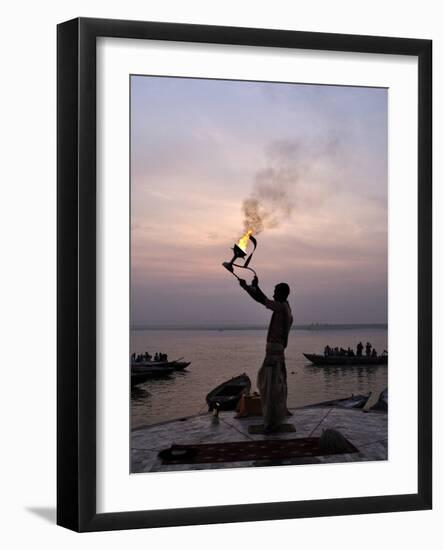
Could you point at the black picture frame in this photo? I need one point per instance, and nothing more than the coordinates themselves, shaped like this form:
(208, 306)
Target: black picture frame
(76, 265)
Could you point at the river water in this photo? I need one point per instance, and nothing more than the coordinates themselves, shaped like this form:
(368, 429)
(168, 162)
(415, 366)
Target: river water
(217, 355)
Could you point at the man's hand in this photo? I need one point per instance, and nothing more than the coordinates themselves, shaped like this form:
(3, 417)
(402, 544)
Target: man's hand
(242, 283)
(253, 290)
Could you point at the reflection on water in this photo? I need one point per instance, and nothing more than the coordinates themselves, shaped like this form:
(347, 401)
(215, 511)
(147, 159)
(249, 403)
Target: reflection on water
(219, 355)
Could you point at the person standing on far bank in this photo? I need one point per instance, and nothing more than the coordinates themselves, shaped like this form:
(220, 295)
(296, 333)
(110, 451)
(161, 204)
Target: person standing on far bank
(272, 377)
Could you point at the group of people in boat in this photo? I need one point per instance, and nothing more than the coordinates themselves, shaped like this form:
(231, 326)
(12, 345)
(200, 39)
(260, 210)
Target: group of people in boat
(140, 357)
(370, 351)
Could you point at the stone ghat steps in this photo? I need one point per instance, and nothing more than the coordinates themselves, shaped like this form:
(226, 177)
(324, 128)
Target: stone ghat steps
(368, 431)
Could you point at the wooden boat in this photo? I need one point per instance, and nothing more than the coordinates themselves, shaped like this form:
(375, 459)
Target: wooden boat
(180, 365)
(345, 360)
(382, 403)
(352, 402)
(226, 396)
(140, 373)
(177, 364)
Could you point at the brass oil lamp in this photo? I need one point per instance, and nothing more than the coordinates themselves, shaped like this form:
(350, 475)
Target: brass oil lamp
(240, 253)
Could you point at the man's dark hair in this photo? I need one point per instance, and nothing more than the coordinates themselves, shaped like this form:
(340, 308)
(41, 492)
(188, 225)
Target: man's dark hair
(283, 290)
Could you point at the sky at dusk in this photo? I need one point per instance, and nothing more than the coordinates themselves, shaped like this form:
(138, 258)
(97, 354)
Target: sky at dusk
(200, 147)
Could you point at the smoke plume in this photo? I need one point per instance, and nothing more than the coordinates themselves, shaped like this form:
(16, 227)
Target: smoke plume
(273, 196)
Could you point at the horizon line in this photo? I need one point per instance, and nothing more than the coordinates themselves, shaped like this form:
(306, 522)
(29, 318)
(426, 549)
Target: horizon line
(252, 326)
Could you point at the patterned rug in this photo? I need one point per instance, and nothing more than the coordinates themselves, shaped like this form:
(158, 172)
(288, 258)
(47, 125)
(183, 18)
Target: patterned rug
(245, 450)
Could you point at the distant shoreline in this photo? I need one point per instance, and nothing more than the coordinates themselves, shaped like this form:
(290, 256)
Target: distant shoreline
(311, 326)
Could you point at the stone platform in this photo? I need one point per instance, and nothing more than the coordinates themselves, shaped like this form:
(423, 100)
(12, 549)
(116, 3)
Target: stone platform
(368, 431)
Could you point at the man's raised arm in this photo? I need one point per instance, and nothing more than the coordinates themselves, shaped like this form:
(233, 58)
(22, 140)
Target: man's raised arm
(254, 291)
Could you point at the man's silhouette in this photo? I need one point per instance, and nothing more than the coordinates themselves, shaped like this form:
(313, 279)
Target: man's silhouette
(272, 379)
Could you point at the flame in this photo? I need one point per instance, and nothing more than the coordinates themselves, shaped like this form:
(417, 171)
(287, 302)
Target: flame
(243, 241)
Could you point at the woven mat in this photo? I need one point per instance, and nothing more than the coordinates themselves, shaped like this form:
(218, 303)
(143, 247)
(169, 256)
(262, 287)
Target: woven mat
(244, 450)
(260, 429)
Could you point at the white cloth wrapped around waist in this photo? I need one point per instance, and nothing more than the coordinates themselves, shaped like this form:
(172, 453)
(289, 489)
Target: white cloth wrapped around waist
(271, 383)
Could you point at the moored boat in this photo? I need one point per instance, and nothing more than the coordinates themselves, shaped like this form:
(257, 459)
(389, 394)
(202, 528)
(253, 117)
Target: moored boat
(382, 402)
(352, 402)
(140, 374)
(180, 365)
(226, 396)
(149, 363)
(177, 364)
(346, 360)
